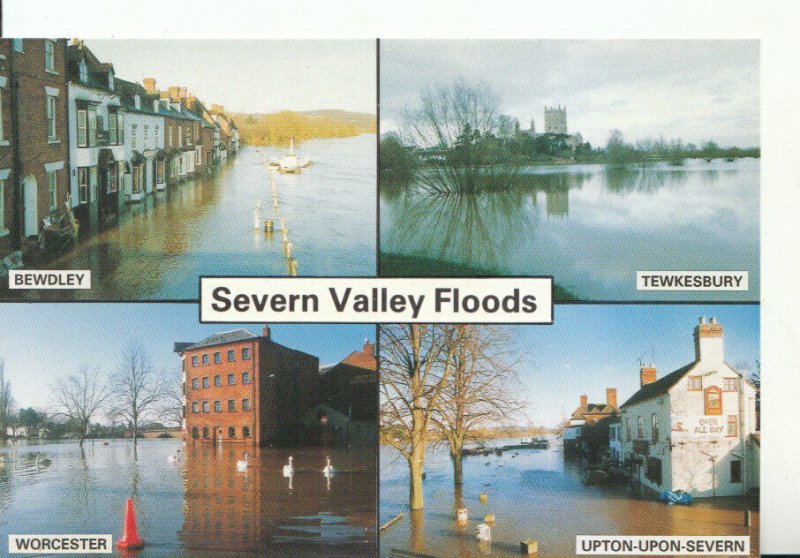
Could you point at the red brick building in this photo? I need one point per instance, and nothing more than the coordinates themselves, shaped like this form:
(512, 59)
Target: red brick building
(351, 386)
(242, 387)
(34, 150)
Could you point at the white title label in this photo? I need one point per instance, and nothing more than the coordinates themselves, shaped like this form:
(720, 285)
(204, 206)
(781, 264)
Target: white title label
(691, 281)
(602, 545)
(374, 300)
(37, 279)
(60, 544)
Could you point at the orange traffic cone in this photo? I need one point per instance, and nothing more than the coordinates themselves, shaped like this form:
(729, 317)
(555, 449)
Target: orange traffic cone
(130, 540)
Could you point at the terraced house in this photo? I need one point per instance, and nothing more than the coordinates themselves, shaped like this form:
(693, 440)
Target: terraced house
(34, 152)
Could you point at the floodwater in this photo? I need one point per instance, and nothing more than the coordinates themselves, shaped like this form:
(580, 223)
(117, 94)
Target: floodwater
(206, 226)
(534, 495)
(592, 227)
(201, 506)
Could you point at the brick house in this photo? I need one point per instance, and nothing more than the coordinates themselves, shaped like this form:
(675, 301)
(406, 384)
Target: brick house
(586, 433)
(34, 150)
(242, 387)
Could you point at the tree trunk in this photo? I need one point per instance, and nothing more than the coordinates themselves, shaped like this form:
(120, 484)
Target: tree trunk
(415, 497)
(135, 433)
(458, 470)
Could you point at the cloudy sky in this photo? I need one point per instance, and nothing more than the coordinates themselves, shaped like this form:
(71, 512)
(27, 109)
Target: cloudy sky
(253, 76)
(694, 90)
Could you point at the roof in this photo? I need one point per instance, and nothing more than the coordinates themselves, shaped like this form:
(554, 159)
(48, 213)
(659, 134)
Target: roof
(594, 409)
(97, 72)
(659, 387)
(222, 339)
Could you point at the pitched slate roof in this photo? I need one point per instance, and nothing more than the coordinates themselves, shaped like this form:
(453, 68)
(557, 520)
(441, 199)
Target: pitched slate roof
(97, 72)
(593, 409)
(659, 387)
(223, 338)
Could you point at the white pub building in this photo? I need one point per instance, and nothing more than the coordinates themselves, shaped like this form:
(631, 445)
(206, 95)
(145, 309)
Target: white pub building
(694, 429)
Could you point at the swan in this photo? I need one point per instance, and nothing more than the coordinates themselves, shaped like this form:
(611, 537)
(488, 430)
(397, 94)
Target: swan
(173, 458)
(45, 462)
(288, 470)
(242, 464)
(328, 470)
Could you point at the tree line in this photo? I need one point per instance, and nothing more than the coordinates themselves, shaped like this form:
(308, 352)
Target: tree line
(132, 395)
(280, 127)
(444, 384)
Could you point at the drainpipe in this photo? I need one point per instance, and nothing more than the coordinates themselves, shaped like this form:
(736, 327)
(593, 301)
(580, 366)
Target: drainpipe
(17, 197)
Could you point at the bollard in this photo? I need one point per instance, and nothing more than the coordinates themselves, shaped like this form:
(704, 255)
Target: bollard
(483, 498)
(462, 515)
(285, 234)
(268, 226)
(130, 539)
(275, 202)
(293, 267)
(488, 518)
(257, 214)
(747, 518)
(484, 532)
(528, 547)
(288, 248)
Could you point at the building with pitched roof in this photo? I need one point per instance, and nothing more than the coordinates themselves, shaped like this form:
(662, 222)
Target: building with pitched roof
(694, 429)
(585, 433)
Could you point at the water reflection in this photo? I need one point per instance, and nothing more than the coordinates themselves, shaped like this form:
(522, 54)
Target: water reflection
(590, 226)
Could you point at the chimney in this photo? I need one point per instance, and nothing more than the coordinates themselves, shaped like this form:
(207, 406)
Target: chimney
(369, 348)
(190, 101)
(647, 375)
(174, 92)
(265, 332)
(183, 93)
(584, 401)
(611, 397)
(149, 84)
(708, 341)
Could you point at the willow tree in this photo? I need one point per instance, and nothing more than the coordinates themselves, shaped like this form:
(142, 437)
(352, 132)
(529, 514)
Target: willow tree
(480, 393)
(416, 361)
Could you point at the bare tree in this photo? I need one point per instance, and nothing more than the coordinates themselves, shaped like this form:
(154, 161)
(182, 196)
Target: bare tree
(171, 409)
(6, 401)
(78, 398)
(480, 392)
(137, 389)
(416, 361)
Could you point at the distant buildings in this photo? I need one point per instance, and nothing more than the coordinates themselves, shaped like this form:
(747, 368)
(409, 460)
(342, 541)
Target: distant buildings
(77, 143)
(586, 431)
(242, 387)
(555, 120)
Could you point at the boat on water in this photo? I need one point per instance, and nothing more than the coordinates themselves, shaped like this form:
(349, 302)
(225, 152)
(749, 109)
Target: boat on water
(291, 163)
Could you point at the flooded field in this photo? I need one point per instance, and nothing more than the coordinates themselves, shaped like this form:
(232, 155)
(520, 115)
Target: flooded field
(206, 226)
(200, 506)
(534, 495)
(590, 226)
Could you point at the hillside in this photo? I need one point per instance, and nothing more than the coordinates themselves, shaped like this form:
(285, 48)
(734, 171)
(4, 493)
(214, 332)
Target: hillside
(278, 128)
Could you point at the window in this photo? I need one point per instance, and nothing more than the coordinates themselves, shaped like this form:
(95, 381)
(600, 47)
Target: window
(695, 383)
(137, 178)
(170, 135)
(146, 136)
(52, 182)
(654, 470)
(82, 128)
(112, 128)
(639, 428)
(92, 183)
(733, 426)
(160, 171)
(195, 433)
(713, 399)
(245, 431)
(205, 382)
(628, 428)
(195, 407)
(731, 384)
(245, 377)
(231, 432)
(217, 406)
(51, 118)
(245, 404)
(246, 353)
(194, 360)
(217, 357)
(205, 360)
(133, 135)
(217, 381)
(736, 470)
(92, 126)
(17, 45)
(1, 115)
(195, 383)
(83, 72)
(205, 406)
(205, 432)
(231, 379)
(232, 405)
(83, 184)
(654, 427)
(120, 129)
(180, 136)
(231, 355)
(49, 56)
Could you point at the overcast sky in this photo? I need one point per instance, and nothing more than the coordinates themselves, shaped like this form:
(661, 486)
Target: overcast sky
(41, 343)
(694, 90)
(253, 76)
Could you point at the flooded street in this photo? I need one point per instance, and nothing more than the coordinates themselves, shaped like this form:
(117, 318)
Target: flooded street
(534, 495)
(206, 226)
(200, 506)
(591, 226)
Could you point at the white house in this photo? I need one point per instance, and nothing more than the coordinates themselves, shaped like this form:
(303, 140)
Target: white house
(694, 429)
(98, 164)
